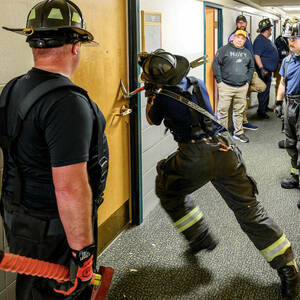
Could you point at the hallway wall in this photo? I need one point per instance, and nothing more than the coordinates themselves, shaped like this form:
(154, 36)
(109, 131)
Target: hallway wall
(182, 33)
(16, 60)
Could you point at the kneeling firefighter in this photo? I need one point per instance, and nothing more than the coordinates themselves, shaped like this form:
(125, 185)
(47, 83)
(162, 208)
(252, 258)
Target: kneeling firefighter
(206, 153)
(55, 156)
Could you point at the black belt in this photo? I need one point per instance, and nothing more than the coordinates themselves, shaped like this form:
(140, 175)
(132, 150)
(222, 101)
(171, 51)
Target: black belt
(55, 226)
(293, 98)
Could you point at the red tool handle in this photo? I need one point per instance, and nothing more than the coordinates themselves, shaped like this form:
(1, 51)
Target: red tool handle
(34, 267)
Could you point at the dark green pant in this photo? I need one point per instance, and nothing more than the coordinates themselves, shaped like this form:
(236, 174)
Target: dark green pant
(194, 165)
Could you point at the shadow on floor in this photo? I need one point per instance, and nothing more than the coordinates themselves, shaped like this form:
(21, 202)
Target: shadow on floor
(190, 281)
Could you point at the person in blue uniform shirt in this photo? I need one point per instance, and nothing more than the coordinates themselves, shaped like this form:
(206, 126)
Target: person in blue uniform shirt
(266, 59)
(241, 24)
(206, 153)
(289, 88)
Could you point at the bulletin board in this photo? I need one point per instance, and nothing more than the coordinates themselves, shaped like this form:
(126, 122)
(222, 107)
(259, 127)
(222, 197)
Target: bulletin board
(151, 31)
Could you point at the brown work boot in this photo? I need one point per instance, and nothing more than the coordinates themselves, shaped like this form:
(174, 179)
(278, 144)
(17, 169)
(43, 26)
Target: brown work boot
(289, 277)
(205, 241)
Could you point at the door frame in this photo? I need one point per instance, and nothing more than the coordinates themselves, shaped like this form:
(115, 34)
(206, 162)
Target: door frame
(220, 27)
(135, 116)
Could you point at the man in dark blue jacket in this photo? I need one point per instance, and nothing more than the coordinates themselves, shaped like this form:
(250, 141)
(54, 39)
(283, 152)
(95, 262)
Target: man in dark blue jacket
(206, 153)
(266, 59)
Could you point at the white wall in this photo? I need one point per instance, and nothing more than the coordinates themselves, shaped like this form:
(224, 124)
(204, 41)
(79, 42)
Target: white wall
(16, 57)
(182, 33)
(182, 27)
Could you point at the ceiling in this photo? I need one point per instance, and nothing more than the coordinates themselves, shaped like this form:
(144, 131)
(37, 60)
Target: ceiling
(290, 7)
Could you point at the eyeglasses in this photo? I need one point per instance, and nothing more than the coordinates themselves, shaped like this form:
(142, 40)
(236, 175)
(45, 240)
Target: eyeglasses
(293, 39)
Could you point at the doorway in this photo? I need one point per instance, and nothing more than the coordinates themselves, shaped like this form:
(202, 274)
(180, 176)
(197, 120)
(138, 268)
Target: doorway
(213, 41)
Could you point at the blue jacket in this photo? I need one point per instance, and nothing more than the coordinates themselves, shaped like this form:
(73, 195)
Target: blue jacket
(267, 51)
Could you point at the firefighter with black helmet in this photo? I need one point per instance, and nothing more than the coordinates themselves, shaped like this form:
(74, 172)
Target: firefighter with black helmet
(266, 59)
(55, 156)
(289, 89)
(206, 152)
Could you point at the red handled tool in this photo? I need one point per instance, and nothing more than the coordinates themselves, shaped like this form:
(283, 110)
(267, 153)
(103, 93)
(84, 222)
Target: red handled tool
(35, 267)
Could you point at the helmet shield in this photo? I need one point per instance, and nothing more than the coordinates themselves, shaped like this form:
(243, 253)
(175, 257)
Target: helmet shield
(52, 19)
(163, 67)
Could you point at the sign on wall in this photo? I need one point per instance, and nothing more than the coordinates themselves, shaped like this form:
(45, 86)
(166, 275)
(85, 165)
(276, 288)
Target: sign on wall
(151, 31)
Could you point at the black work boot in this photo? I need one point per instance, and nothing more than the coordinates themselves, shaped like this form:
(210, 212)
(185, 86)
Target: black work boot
(298, 204)
(205, 241)
(291, 182)
(289, 277)
(281, 144)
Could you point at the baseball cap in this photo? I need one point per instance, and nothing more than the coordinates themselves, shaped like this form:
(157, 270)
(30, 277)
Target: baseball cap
(240, 18)
(241, 32)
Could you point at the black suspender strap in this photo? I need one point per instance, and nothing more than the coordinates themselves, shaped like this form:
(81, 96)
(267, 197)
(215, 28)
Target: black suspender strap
(286, 65)
(207, 121)
(41, 90)
(189, 104)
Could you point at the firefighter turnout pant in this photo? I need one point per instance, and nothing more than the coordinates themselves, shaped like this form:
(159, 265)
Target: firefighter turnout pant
(292, 131)
(42, 237)
(196, 163)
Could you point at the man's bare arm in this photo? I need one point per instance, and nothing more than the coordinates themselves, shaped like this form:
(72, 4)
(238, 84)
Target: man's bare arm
(74, 201)
(281, 90)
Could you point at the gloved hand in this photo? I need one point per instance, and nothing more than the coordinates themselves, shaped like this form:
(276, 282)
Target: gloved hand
(263, 72)
(81, 272)
(278, 109)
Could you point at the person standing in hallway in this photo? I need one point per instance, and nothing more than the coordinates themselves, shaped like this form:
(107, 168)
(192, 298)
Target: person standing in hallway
(289, 89)
(55, 156)
(241, 24)
(266, 59)
(233, 68)
(283, 49)
(206, 153)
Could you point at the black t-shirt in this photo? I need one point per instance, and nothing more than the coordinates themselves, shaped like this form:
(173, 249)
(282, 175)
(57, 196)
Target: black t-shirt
(58, 131)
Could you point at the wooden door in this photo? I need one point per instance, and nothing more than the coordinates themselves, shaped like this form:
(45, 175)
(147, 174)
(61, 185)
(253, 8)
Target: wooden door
(99, 72)
(210, 15)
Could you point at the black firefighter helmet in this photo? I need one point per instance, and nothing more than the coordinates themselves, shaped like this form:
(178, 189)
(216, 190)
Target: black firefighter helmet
(53, 23)
(264, 24)
(291, 27)
(163, 67)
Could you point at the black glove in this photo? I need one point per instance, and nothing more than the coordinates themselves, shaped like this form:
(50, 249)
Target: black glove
(263, 72)
(81, 272)
(278, 109)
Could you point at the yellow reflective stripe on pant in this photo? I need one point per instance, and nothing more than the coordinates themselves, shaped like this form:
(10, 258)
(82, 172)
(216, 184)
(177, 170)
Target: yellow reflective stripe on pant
(295, 171)
(189, 219)
(277, 248)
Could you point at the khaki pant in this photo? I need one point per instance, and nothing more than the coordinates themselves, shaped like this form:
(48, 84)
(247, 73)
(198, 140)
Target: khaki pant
(237, 96)
(248, 102)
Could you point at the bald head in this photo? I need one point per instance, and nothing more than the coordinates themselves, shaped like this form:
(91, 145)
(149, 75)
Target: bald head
(63, 60)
